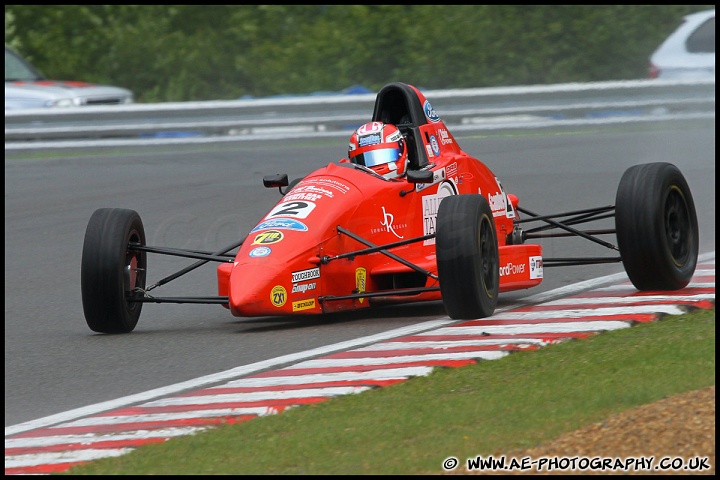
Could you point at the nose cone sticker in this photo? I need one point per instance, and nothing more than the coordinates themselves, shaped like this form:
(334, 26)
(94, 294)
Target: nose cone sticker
(286, 223)
(278, 295)
(260, 252)
(268, 237)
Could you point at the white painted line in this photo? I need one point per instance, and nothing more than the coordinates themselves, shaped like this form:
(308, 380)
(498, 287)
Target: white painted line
(587, 312)
(168, 417)
(380, 374)
(367, 361)
(31, 460)
(629, 288)
(526, 328)
(256, 396)
(624, 300)
(90, 438)
(390, 346)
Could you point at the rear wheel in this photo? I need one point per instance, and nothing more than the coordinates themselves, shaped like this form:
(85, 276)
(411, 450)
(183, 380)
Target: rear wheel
(112, 273)
(657, 228)
(467, 256)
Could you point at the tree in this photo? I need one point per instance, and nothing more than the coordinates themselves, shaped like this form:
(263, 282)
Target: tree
(214, 52)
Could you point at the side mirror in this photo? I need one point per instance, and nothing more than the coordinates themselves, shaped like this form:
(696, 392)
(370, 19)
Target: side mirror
(279, 180)
(420, 176)
(415, 177)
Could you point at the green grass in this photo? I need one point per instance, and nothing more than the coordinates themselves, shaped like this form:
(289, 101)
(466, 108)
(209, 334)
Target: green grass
(492, 407)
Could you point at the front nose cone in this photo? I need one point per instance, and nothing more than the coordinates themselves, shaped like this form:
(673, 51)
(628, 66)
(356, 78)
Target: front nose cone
(258, 290)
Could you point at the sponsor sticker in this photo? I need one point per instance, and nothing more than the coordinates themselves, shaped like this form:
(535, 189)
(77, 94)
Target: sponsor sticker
(327, 183)
(373, 139)
(394, 137)
(444, 136)
(268, 237)
(303, 275)
(430, 205)
(303, 287)
(311, 193)
(512, 269)
(260, 252)
(430, 112)
(360, 281)
(434, 145)
(387, 223)
(536, 267)
(278, 295)
(303, 305)
(429, 151)
(281, 224)
(499, 203)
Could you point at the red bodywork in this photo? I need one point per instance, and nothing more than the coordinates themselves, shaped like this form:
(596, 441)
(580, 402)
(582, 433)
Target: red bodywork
(279, 269)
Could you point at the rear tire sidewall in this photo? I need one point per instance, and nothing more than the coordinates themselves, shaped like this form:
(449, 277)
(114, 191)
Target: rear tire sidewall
(467, 256)
(110, 272)
(657, 228)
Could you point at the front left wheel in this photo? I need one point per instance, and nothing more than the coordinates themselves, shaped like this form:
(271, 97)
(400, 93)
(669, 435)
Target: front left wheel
(467, 256)
(657, 227)
(112, 272)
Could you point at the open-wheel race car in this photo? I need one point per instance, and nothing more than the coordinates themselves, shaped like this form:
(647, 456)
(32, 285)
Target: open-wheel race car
(348, 236)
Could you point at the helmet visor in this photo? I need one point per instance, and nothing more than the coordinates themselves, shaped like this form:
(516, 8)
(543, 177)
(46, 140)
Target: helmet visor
(380, 156)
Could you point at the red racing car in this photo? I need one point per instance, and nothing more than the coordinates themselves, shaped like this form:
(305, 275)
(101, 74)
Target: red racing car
(410, 217)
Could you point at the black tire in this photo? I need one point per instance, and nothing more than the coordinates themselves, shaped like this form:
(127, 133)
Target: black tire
(657, 228)
(110, 272)
(467, 256)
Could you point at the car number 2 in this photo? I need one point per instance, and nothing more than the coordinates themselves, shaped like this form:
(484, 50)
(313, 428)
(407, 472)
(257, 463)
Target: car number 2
(291, 209)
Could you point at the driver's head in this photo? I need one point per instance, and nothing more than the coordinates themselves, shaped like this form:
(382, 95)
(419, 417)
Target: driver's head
(379, 146)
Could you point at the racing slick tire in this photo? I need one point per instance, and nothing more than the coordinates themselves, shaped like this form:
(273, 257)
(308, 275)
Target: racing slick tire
(656, 226)
(467, 256)
(111, 273)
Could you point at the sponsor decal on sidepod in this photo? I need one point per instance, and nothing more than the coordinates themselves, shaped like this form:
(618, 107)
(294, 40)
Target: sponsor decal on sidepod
(303, 305)
(536, 267)
(303, 287)
(512, 269)
(278, 295)
(360, 281)
(302, 275)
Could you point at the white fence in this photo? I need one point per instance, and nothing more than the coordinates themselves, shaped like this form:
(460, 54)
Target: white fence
(479, 108)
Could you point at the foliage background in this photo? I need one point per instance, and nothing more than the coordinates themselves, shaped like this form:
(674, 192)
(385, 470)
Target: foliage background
(222, 52)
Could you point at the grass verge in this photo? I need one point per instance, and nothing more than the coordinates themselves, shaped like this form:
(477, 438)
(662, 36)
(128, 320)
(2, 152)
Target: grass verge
(492, 407)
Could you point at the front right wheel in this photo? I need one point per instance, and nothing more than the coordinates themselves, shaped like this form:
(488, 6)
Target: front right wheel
(112, 272)
(657, 227)
(467, 256)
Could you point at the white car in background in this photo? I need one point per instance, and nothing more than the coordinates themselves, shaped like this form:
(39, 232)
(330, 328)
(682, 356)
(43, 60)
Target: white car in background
(689, 52)
(26, 87)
